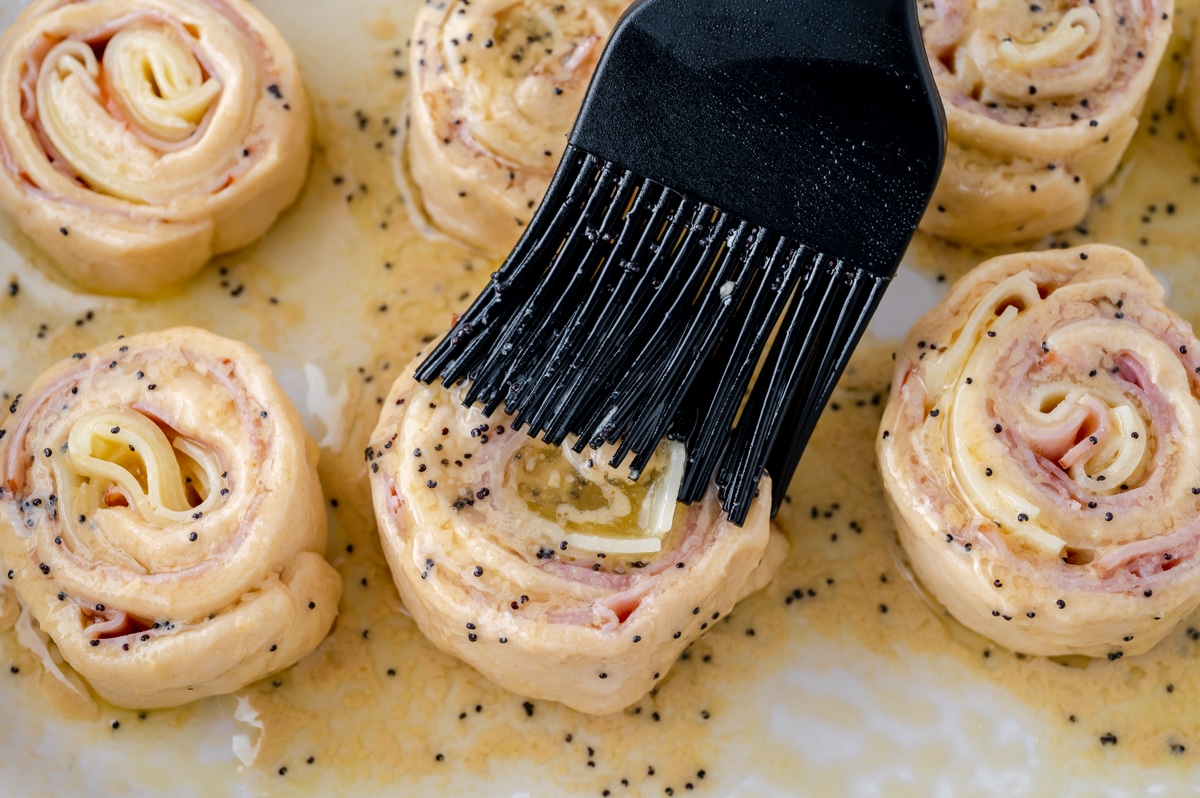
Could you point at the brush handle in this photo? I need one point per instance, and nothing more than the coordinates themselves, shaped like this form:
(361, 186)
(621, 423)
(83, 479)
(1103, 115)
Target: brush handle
(710, 33)
(783, 94)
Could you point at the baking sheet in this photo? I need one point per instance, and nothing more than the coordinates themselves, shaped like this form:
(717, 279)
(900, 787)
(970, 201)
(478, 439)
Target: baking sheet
(829, 695)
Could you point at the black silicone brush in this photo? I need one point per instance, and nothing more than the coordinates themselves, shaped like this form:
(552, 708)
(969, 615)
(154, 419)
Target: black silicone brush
(737, 192)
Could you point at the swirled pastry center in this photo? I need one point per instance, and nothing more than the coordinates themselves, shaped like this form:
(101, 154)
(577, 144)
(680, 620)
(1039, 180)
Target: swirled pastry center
(113, 120)
(150, 112)
(158, 83)
(1065, 49)
(118, 457)
(1078, 421)
(1054, 45)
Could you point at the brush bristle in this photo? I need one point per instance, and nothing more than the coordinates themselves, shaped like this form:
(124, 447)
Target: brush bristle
(629, 312)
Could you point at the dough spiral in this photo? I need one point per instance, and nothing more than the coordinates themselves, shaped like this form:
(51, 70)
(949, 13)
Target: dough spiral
(1042, 100)
(1041, 454)
(496, 88)
(549, 572)
(161, 518)
(142, 137)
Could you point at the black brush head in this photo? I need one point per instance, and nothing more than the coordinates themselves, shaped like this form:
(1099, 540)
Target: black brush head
(738, 191)
(817, 120)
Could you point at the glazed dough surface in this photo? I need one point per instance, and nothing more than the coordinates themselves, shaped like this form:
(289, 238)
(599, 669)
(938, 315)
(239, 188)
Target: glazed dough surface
(1191, 91)
(1041, 454)
(142, 137)
(496, 88)
(549, 572)
(1042, 100)
(161, 518)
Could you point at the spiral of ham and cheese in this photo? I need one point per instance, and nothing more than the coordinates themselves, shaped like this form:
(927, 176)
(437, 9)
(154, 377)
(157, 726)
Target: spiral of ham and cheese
(140, 138)
(1041, 99)
(496, 88)
(161, 518)
(1041, 453)
(551, 573)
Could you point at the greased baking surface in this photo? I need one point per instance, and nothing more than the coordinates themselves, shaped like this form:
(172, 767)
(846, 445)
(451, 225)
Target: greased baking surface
(839, 678)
